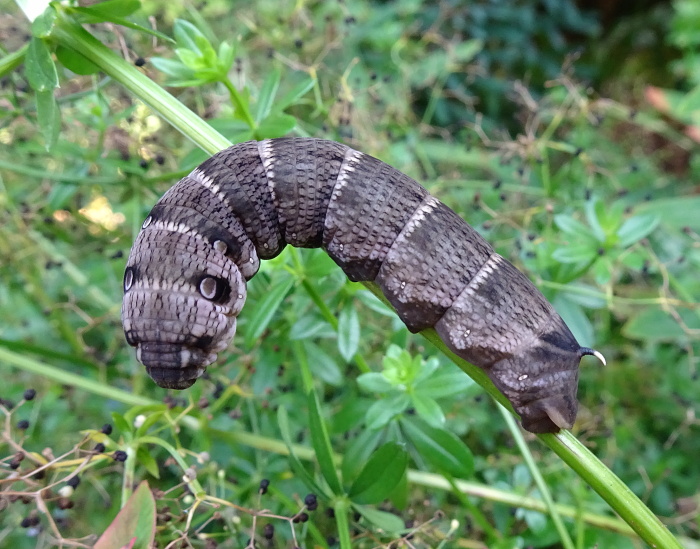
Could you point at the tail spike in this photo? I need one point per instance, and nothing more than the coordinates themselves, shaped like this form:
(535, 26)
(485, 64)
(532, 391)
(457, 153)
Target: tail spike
(583, 351)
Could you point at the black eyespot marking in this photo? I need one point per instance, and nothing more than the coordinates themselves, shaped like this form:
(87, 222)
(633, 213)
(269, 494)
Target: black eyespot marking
(129, 277)
(214, 288)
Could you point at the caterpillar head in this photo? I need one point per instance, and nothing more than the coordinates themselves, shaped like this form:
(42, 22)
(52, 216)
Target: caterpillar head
(181, 299)
(541, 380)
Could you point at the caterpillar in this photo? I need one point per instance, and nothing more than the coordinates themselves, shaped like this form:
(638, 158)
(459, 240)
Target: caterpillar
(185, 279)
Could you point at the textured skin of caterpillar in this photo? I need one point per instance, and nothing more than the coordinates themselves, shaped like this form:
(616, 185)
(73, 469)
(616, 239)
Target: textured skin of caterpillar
(185, 280)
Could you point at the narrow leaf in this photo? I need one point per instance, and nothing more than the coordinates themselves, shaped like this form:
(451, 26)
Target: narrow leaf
(276, 125)
(636, 228)
(293, 95)
(297, 467)
(380, 474)
(374, 382)
(442, 449)
(445, 384)
(48, 117)
(384, 410)
(575, 253)
(381, 519)
(428, 410)
(267, 95)
(39, 67)
(322, 444)
(186, 35)
(171, 67)
(135, 525)
(348, 332)
(571, 226)
(115, 8)
(144, 457)
(265, 310)
(75, 62)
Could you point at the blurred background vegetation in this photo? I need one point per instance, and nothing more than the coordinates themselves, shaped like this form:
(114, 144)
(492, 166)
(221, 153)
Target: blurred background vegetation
(565, 132)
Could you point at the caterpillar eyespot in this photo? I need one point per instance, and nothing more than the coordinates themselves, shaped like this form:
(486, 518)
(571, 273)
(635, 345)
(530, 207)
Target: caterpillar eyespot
(128, 279)
(378, 225)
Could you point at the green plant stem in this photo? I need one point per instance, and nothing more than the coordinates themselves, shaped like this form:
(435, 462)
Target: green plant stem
(564, 444)
(539, 480)
(13, 60)
(341, 509)
(239, 105)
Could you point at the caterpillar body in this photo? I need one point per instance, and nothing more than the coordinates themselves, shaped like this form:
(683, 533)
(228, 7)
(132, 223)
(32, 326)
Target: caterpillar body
(185, 280)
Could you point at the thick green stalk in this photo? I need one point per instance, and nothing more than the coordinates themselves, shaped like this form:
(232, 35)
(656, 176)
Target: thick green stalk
(564, 444)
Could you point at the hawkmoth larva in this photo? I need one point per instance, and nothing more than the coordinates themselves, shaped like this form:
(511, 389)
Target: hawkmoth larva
(185, 280)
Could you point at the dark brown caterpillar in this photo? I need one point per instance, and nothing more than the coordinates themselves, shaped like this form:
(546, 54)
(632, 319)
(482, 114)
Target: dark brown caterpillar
(185, 278)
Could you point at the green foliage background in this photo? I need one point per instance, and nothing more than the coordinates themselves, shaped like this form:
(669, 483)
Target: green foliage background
(489, 105)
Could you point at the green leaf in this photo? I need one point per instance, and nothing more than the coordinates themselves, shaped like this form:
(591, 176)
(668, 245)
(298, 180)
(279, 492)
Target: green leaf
(358, 452)
(348, 332)
(399, 496)
(380, 475)
(151, 419)
(322, 444)
(276, 125)
(323, 365)
(226, 56)
(39, 67)
(428, 410)
(122, 425)
(265, 310)
(675, 212)
(191, 59)
(445, 384)
(374, 382)
(657, 325)
(43, 24)
(571, 226)
(592, 217)
(144, 457)
(75, 62)
(293, 95)
(297, 467)
(384, 410)
(114, 8)
(442, 449)
(267, 95)
(95, 15)
(381, 519)
(171, 67)
(48, 116)
(135, 525)
(636, 228)
(576, 253)
(186, 35)
(466, 50)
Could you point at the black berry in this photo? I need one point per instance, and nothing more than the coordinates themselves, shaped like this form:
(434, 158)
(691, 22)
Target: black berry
(29, 394)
